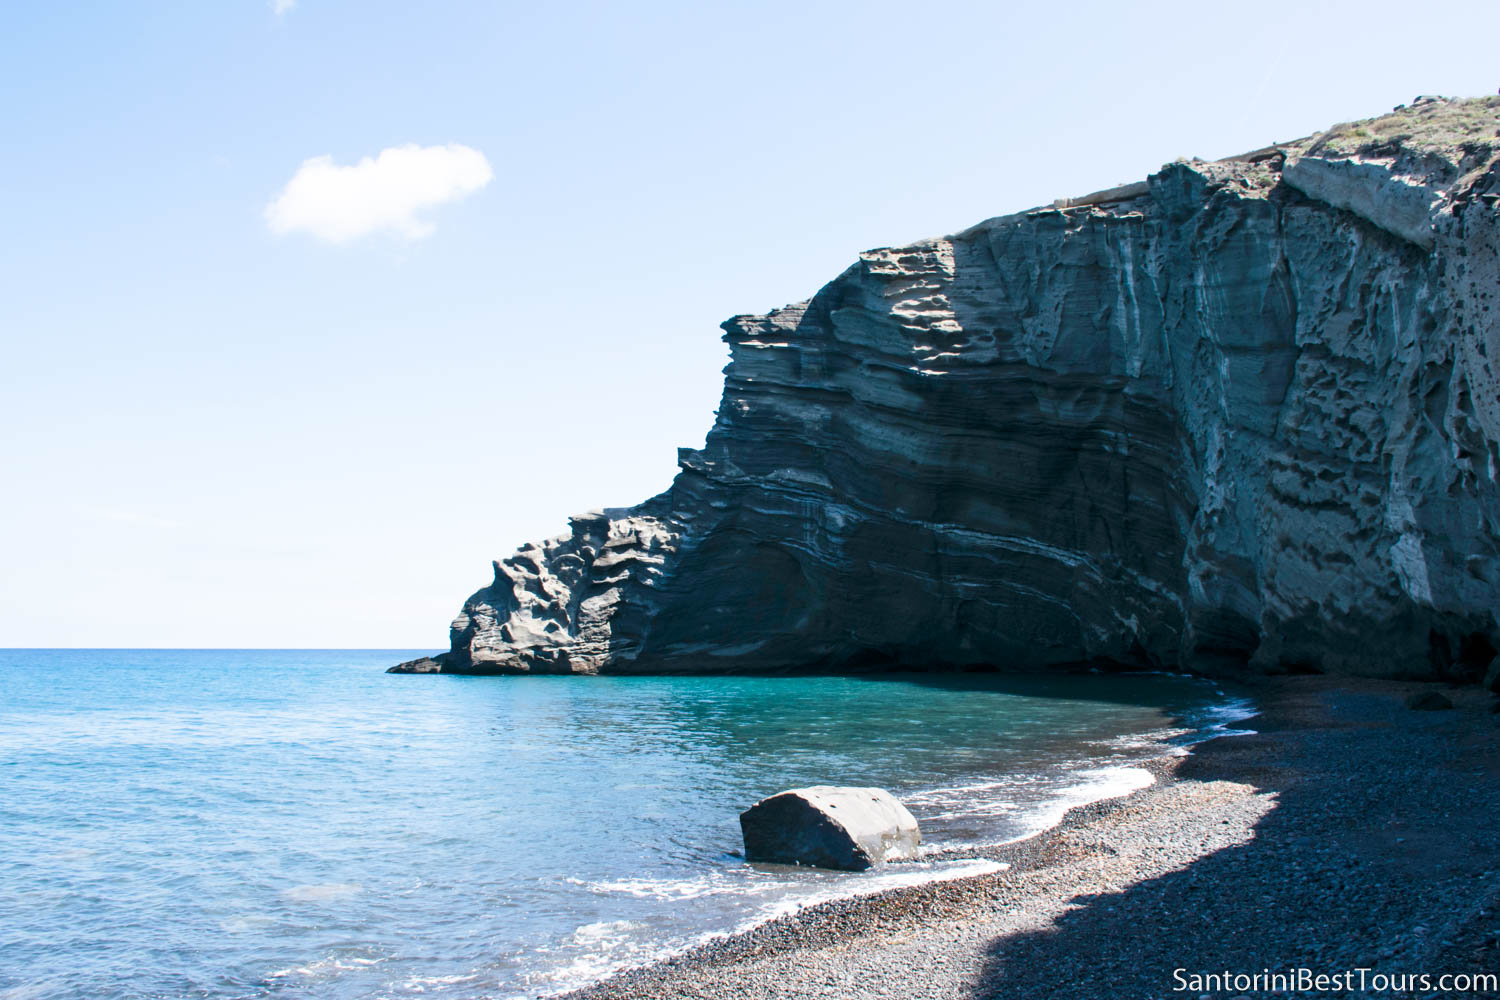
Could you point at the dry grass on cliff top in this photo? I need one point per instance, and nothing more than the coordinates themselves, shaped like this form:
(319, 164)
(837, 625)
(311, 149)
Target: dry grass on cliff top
(1453, 130)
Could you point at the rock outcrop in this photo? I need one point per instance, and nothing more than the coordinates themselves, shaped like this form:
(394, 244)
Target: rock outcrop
(828, 826)
(1243, 415)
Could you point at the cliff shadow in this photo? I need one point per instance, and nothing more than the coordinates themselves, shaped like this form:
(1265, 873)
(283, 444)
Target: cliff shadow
(1375, 855)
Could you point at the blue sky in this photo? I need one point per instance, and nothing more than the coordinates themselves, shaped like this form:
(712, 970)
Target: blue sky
(217, 434)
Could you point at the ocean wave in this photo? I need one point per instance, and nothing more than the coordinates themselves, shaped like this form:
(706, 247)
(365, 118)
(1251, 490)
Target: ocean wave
(663, 889)
(991, 810)
(616, 945)
(327, 967)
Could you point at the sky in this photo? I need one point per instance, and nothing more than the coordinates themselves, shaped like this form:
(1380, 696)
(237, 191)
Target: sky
(311, 308)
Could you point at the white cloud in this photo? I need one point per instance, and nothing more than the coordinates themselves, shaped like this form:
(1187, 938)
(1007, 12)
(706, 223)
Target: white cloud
(282, 6)
(339, 204)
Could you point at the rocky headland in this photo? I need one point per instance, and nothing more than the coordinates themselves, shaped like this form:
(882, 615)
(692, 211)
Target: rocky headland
(1241, 417)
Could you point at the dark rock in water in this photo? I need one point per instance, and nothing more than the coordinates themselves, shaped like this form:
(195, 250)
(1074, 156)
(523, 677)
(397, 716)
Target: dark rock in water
(1492, 678)
(1243, 415)
(1428, 701)
(423, 665)
(830, 827)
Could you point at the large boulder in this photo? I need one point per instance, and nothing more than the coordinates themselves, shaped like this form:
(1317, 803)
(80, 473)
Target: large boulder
(826, 826)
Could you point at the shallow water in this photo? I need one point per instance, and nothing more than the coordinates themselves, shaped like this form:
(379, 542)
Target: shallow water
(231, 824)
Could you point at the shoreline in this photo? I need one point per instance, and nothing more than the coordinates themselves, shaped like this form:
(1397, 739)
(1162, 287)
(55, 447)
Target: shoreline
(835, 921)
(1119, 878)
(971, 859)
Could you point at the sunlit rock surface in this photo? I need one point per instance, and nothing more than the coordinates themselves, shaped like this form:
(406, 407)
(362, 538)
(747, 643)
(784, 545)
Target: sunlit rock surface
(1242, 416)
(828, 826)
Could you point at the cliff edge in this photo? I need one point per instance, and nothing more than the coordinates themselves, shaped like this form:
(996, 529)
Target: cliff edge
(1241, 416)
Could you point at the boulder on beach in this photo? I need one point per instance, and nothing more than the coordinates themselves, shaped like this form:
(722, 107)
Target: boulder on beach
(827, 826)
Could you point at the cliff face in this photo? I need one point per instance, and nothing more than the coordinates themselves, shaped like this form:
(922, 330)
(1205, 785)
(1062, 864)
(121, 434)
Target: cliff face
(1243, 415)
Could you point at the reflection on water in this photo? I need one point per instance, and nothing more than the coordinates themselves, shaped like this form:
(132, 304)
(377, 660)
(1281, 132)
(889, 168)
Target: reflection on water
(267, 823)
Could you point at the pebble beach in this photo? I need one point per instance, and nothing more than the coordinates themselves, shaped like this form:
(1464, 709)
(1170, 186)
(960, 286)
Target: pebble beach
(1348, 832)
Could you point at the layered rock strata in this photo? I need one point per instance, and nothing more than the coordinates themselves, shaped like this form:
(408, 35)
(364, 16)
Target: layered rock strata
(1243, 415)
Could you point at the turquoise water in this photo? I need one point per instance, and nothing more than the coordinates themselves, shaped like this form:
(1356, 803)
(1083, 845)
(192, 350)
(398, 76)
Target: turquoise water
(233, 824)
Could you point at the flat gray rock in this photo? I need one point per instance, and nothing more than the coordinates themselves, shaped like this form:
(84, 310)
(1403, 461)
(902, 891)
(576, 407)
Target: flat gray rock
(828, 826)
(422, 665)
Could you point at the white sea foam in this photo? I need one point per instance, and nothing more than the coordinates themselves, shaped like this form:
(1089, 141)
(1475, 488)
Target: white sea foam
(325, 968)
(665, 889)
(896, 876)
(1024, 805)
(614, 945)
(989, 799)
(1093, 785)
(321, 893)
(419, 983)
(605, 931)
(601, 949)
(1222, 717)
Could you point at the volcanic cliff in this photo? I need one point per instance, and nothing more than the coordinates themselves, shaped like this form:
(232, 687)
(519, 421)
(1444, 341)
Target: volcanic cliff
(1241, 415)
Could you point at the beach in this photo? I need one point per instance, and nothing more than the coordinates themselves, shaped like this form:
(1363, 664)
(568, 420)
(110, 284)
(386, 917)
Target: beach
(1348, 832)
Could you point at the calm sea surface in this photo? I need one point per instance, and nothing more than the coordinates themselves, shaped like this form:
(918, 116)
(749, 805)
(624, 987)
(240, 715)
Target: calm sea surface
(226, 824)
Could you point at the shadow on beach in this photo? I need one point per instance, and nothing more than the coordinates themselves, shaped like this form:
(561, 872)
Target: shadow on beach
(1380, 853)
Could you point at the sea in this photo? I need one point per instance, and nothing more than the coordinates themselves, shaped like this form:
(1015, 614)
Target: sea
(298, 823)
